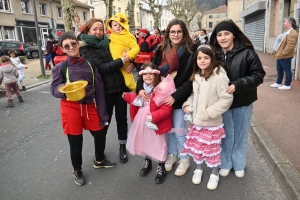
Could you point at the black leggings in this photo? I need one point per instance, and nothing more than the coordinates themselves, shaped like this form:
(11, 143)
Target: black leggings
(75, 142)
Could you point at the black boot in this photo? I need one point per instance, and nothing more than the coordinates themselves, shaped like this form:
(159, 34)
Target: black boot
(23, 88)
(161, 174)
(10, 103)
(123, 153)
(20, 99)
(147, 166)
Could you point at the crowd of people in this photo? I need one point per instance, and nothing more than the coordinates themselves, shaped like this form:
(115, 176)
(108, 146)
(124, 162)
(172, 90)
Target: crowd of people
(209, 83)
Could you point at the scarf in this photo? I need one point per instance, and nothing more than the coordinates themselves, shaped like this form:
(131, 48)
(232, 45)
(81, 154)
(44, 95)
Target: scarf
(148, 88)
(279, 40)
(95, 41)
(202, 39)
(170, 60)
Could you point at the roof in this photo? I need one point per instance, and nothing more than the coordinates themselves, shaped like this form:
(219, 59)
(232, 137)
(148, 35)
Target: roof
(84, 5)
(220, 9)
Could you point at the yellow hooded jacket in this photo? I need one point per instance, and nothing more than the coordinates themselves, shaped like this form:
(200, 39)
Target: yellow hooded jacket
(119, 42)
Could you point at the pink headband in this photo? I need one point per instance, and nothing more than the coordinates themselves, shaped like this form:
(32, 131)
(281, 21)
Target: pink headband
(148, 71)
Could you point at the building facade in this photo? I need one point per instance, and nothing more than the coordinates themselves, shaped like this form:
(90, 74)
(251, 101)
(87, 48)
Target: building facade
(17, 19)
(212, 17)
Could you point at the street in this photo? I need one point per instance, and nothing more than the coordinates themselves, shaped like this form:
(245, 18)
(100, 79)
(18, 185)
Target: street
(35, 163)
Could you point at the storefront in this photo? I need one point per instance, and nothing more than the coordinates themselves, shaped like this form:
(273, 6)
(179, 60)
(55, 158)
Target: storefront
(27, 33)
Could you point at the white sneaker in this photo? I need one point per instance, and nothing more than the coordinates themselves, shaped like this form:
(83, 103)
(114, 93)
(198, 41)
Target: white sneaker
(213, 182)
(284, 87)
(240, 174)
(224, 172)
(275, 85)
(197, 176)
(171, 160)
(183, 166)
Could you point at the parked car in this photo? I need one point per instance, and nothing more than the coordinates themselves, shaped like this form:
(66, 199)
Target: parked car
(33, 51)
(20, 47)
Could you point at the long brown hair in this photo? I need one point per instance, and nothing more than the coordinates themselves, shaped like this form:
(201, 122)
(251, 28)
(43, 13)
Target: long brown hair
(157, 77)
(186, 39)
(213, 64)
(239, 36)
(90, 23)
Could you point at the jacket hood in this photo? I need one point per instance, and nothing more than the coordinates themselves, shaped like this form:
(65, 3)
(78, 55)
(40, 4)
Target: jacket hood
(7, 68)
(121, 18)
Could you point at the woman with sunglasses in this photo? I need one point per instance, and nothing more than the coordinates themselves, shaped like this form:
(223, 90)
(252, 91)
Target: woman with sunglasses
(94, 47)
(174, 55)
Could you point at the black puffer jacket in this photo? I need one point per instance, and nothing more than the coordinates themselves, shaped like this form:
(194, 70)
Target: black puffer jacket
(108, 68)
(245, 71)
(182, 81)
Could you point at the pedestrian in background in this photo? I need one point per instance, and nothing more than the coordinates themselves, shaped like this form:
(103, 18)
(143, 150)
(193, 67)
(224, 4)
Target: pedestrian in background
(9, 75)
(283, 52)
(245, 73)
(50, 45)
(20, 67)
(174, 55)
(2, 53)
(208, 101)
(48, 59)
(88, 113)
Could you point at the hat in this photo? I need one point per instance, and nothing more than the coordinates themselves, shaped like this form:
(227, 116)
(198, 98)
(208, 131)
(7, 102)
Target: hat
(121, 18)
(144, 31)
(108, 31)
(59, 33)
(51, 36)
(225, 26)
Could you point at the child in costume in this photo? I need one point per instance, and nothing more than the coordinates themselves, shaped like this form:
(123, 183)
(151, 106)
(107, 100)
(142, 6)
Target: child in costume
(88, 113)
(122, 40)
(9, 75)
(208, 101)
(144, 141)
(16, 61)
(48, 58)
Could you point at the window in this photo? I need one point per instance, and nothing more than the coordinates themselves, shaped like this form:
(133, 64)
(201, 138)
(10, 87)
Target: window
(84, 16)
(210, 24)
(93, 13)
(114, 10)
(137, 16)
(218, 16)
(5, 5)
(119, 10)
(59, 12)
(25, 7)
(43, 9)
(162, 22)
(210, 16)
(225, 16)
(9, 33)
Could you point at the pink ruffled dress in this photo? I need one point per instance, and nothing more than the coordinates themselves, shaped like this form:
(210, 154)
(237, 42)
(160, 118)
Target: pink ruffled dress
(203, 144)
(142, 140)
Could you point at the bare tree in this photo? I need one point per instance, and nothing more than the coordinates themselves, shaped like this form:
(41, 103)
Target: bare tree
(109, 8)
(131, 21)
(203, 7)
(156, 11)
(70, 15)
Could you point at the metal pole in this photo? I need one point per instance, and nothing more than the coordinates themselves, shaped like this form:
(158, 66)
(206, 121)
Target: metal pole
(38, 37)
(141, 5)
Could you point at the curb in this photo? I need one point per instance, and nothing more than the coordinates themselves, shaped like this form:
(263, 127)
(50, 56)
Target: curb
(38, 84)
(284, 172)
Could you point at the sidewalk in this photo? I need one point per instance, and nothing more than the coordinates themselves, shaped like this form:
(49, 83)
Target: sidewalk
(275, 128)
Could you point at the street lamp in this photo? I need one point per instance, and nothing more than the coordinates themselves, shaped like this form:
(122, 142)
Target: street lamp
(38, 37)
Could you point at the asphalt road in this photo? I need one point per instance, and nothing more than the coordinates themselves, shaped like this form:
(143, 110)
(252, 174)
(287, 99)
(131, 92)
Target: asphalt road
(35, 163)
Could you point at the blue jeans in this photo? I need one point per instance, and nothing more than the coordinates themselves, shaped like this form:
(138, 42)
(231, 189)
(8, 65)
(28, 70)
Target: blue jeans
(176, 140)
(237, 122)
(284, 65)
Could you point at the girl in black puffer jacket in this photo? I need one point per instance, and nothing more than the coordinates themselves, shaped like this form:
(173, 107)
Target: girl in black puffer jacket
(246, 73)
(94, 46)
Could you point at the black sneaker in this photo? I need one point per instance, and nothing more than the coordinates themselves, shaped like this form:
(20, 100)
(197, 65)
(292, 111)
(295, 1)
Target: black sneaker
(147, 166)
(161, 175)
(105, 163)
(78, 177)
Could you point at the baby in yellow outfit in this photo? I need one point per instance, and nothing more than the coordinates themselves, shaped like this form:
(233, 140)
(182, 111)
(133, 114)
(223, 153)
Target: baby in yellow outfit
(121, 39)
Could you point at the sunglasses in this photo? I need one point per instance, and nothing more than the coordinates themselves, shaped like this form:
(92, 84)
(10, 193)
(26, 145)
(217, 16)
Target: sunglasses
(179, 32)
(68, 46)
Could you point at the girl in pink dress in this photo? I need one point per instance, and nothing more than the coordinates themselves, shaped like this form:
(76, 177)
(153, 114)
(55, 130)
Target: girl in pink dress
(208, 101)
(151, 119)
